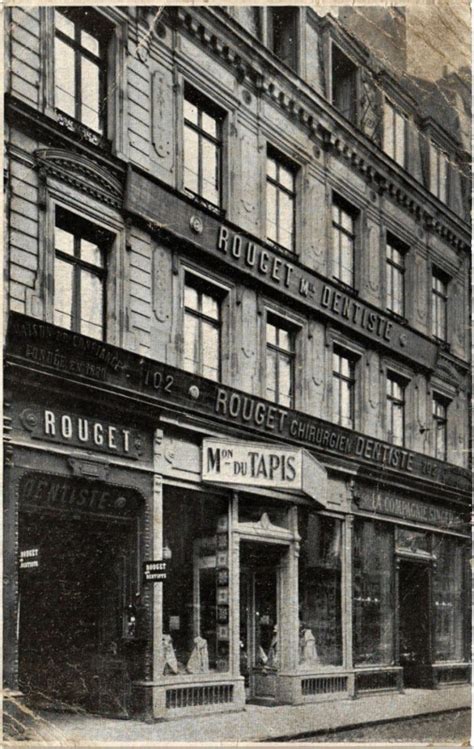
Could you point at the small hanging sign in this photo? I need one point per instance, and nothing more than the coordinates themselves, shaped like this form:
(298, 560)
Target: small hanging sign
(29, 559)
(154, 572)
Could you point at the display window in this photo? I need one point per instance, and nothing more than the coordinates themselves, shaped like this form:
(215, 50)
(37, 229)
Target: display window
(373, 593)
(448, 599)
(196, 593)
(320, 636)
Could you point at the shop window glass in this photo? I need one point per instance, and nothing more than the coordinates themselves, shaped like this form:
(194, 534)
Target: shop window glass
(196, 593)
(448, 599)
(320, 641)
(373, 600)
(250, 512)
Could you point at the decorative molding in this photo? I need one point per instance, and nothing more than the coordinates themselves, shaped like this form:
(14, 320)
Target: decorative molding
(342, 145)
(81, 173)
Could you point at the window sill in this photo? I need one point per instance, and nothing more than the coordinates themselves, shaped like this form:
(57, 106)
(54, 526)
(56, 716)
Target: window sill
(444, 345)
(203, 203)
(281, 248)
(345, 287)
(399, 318)
(84, 133)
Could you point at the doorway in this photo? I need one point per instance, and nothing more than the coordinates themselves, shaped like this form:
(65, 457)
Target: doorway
(259, 618)
(415, 628)
(74, 627)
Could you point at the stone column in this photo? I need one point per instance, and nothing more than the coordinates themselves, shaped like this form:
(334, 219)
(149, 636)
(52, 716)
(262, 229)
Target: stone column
(348, 658)
(157, 595)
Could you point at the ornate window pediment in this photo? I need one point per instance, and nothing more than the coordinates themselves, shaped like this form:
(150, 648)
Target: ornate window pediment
(81, 173)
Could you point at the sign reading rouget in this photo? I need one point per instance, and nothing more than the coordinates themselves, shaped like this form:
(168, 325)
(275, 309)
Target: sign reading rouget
(174, 217)
(63, 353)
(258, 464)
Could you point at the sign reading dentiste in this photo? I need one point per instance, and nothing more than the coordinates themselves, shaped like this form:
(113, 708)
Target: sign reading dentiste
(263, 465)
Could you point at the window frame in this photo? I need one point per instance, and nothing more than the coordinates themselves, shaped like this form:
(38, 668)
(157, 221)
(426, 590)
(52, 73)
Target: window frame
(337, 377)
(435, 296)
(281, 161)
(394, 113)
(435, 185)
(216, 292)
(438, 399)
(392, 402)
(354, 111)
(204, 105)
(281, 323)
(353, 212)
(83, 229)
(270, 24)
(391, 267)
(80, 52)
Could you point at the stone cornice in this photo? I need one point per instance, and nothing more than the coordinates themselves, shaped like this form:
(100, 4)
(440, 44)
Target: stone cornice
(317, 116)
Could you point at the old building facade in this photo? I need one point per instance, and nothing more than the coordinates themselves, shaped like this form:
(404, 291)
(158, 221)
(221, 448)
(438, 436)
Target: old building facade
(236, 367)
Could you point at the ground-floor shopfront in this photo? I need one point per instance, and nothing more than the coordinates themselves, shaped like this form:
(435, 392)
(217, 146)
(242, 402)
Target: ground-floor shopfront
(301, 579)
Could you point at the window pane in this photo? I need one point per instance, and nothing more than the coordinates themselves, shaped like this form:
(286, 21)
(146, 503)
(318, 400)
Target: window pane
(90, 94)
(400, 139)
(65, 95)
(286, 177)
(190, 112)
(63, 24)
(397, 435)
(191, 160)
(443, 177)
(191, 298)
(210, 306)
(434, 169)
(347, 221)
(92, 305)
(271, 212)
(90, 42)
(271, 374)
(209, 124)
(388, 135)
(64, 241)
(320, 641)
(347, 260)
(346, 404)
(336, 400)
(373, 605)
(91, 253)
(63, 293)
(271, 167)
(210, 351)
(210, 177)
(448, 599)
(284, 339)
(286, 220)
(191, 343)
(285, 384)
(271, 333)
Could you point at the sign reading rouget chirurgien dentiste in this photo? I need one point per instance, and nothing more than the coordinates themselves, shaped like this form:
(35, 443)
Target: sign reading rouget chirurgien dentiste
(41, 346)
(172, 217)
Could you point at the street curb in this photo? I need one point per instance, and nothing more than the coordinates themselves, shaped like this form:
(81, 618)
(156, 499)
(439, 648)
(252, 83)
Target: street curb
(354, 726)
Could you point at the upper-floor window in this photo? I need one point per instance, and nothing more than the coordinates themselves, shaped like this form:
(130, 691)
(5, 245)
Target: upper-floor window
(202, 148)
(439, 304)
(80, 67)
(343, 382)
(395, 403)
(395, 276)
(280, 362)
(79, 274)
(439, 178)
(440, 427)
(343, 231)
(395, 134)
(344, 83)
(280, 200)
(202, 327)
(283, 34)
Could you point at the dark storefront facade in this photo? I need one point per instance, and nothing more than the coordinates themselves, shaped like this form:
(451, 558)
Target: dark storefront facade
(291, 576)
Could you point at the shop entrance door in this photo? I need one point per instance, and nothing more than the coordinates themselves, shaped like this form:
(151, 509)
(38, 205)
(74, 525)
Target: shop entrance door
(415, 633)
(73, 643)
(259, 617)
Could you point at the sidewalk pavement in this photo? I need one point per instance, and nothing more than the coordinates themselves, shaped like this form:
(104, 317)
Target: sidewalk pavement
(254, 724)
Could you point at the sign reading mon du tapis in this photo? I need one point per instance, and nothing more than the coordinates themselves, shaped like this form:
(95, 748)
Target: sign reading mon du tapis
(263, 465)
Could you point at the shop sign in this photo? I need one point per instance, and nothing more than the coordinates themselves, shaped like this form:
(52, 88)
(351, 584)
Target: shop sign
(413, 510)
(29, 559)
(154, 572)
(270, 466)
(40, 491)
(32, 342)
(68, 428)
(267, 265)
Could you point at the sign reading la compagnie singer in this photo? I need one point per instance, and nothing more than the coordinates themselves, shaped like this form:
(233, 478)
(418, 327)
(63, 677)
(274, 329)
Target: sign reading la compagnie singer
(269, 466)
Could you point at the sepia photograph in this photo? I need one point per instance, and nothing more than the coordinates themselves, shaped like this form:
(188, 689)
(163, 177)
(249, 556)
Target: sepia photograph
(237, 374)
